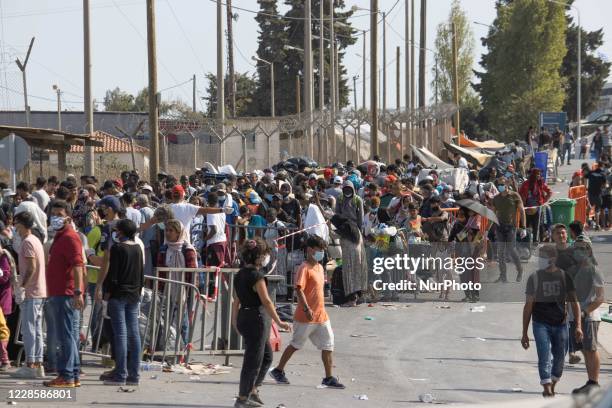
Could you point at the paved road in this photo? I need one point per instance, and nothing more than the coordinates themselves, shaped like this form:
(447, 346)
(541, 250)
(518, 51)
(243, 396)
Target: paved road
(410, 348)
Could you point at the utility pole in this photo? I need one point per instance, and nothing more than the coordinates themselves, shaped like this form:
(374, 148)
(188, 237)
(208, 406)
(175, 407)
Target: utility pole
(230, 58)
(59, 107)
(384, 81)
(455, 78)
(298, 96)
(337, 73)
(374, 77)
(407, 49)
(412, 59)
(22, 68)
(363, 77)
(436, 80)
(153, 114)
(308, 77)
(398, 73)
(220, 83)
(355, 91)
(88, 103)
(423, 44)
(332, 79)
(321, 56)
(194, 93)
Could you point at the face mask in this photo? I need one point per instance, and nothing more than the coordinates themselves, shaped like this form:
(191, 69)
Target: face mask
(221, 199)
(265, 261)
(543, 263)
(501, 188)
(161, 226)
(347, 194)
(57, 223)
(115, 237)
(268, 197)
(318, 256)
(374, 209)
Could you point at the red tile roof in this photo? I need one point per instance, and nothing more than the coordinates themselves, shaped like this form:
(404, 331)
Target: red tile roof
(112, 144)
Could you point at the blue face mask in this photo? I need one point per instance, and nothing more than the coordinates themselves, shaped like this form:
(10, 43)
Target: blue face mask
(501, 188)
(318, 256)
(268, 197)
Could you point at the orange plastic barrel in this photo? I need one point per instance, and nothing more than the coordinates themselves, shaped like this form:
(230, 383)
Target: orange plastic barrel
(578, 193)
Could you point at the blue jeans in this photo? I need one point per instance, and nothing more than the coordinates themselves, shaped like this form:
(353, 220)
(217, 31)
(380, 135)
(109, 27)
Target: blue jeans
(63, 336)
(550, 339)
(126, 342)
(31, 329)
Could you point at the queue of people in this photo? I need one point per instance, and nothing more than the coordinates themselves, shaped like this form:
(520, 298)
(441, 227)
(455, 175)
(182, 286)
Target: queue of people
(69, 243)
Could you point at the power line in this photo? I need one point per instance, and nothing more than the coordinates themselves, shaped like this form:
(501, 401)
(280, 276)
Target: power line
(63, 10)
(36, 96)
(178, 23)
(176, 86)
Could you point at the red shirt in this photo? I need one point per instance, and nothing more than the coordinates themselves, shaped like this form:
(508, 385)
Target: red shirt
(66, 252)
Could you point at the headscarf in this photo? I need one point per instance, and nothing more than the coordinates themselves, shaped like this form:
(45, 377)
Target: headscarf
(174, 255)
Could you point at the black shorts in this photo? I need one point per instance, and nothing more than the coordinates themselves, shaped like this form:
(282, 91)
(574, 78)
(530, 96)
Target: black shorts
(606, 201)
(589, 339)
(595, 200)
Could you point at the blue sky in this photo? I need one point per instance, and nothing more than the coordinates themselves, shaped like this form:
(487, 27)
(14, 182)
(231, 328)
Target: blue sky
(186, 44)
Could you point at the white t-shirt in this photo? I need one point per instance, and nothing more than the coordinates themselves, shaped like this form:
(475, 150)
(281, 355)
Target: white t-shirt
(133, 214)
(218, 221)
(463, 162)
(185, 213)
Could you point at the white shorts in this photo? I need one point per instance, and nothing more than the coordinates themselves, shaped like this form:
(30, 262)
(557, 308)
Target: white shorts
(320, 334)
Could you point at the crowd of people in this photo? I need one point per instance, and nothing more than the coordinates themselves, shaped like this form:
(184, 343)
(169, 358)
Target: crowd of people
(72, 242)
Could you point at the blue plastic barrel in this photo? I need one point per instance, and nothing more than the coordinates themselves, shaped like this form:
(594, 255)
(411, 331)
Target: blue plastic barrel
(541, 162)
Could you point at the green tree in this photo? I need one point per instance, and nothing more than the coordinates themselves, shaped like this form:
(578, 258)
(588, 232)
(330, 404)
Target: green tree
(444, 53)
(293, 64)
(245, 91)
(595, 71)
(526, 48)
(117, 100)
(272, 41)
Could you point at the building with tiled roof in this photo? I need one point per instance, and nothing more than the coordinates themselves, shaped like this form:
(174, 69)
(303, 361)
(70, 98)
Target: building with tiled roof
(111, 158)
(112, 144)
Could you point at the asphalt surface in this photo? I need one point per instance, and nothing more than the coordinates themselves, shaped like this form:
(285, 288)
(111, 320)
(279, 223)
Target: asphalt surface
(403, 350)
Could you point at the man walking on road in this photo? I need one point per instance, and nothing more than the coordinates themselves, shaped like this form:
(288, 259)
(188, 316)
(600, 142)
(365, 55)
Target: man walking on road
(507, 204)
(310, 320)
(548, 289)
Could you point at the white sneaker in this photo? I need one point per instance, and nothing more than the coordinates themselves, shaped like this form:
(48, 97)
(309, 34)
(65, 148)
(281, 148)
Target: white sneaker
(40, 372)
(25, 372)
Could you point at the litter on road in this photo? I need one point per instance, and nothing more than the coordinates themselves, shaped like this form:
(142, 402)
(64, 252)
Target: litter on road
(361, 397)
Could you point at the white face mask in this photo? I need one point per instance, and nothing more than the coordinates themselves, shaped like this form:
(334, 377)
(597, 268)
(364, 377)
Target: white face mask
(543, 263)
(265, 261)
(57, 223)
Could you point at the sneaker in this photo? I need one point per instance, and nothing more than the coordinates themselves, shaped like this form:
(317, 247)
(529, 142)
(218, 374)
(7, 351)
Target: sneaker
(574, 359)
(113, 382)
(25, 372)
(5, 366)
(255, 398)
(279, 376)
(586, 388)
(77, 383)
(40, 372)
(132, 382)
(59, 382)
(107, 375)
(332, 382)
(247, 403)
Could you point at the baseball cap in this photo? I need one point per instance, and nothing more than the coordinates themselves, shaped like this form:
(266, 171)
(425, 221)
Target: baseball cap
(118, 183)
(220, 187)
(337, 180)
(111, 202)
(146, 187)
(254, 198)
(178, 189)
(312, 176)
